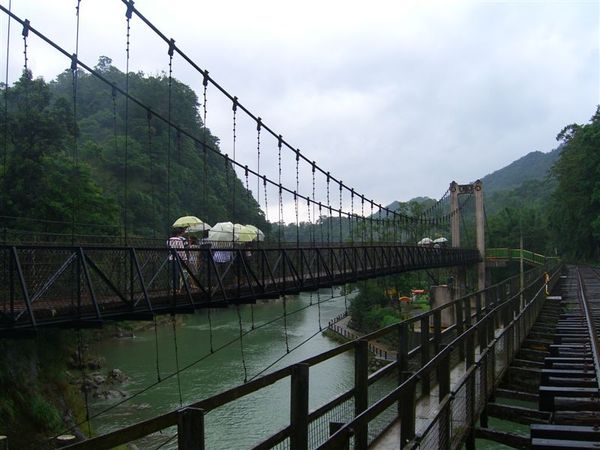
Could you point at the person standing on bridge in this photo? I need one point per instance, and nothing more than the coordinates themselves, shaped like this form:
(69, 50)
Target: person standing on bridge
(179, 244)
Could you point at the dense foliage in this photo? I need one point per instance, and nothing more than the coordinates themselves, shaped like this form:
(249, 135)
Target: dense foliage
(575, 204)
(120, 166)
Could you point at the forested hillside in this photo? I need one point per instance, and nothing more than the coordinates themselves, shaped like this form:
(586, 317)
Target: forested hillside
(120, 166)
(560, 212)
(534, 166)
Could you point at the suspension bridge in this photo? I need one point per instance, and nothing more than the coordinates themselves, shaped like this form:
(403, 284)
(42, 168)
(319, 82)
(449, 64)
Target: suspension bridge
(451, 362)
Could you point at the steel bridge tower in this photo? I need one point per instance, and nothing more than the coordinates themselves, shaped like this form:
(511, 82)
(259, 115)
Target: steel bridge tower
(475, 189)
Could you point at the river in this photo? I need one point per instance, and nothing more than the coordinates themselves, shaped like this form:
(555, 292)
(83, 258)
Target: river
(248, 420)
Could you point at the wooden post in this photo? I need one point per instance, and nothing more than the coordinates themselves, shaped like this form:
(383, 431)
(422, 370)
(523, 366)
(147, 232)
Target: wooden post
(426, 378)
(483, 418)
(299, 407)
(190, 429)
(408, 413)
(361, 389)
(458, 310)
(444, 390)
(470, 385)
(437, 332)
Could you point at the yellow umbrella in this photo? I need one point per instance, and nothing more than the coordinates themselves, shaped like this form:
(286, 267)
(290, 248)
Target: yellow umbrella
(198, 228)
(257, 234)
(243, 233)
(187, 221)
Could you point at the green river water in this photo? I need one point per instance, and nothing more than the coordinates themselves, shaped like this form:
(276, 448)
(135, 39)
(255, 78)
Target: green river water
(248, 420)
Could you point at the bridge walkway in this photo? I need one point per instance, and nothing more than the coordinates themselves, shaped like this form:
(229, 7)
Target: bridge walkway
(82, 286)
(555, 368)
(428, 408)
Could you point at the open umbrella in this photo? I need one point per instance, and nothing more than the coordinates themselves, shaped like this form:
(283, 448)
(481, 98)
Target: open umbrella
(186, 221)
(243, 233)
(223, 231)
(440, 240)
(425, 241)
(258, 235)
(198, 228)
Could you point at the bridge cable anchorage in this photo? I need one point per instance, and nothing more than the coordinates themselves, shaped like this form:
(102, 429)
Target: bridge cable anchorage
(178, 371)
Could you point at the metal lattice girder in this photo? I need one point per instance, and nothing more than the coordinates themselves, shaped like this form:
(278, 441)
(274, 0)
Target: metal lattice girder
(48, 286)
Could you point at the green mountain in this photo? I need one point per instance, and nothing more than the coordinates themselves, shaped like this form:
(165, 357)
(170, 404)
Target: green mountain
(532, 166)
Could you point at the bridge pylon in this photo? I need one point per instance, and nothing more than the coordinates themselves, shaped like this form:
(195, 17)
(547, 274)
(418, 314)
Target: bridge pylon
(475, 189)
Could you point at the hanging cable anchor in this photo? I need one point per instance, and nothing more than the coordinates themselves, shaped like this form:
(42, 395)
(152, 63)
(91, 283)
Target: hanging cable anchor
(26, 27)
(73, 62)
(129, 11)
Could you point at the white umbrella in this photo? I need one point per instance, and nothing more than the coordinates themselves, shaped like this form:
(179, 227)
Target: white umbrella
(425, 241)
(223, 231)
(440, 240)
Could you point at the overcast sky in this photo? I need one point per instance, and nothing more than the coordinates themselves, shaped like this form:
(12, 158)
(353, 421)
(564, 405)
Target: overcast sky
(396, 98)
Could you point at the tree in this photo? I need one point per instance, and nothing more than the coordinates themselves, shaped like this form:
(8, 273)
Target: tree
(575, 204)
(42, 178)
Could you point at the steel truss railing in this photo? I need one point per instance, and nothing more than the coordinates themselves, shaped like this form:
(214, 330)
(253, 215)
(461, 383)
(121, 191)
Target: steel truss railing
(486, 332)
(82, 286)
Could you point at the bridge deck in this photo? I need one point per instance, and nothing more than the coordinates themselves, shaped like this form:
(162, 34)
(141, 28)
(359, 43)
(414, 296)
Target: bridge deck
(428, 407)
(82, 286)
